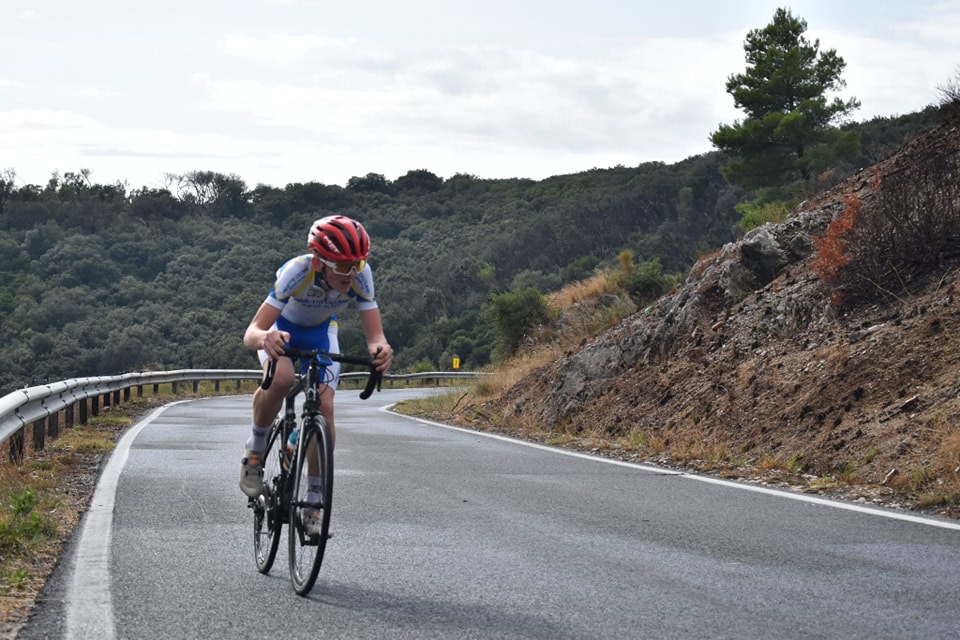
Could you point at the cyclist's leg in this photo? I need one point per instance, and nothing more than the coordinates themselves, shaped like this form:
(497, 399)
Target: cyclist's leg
(267, 403)
(326, 410)
(330, 342)
(332, 379)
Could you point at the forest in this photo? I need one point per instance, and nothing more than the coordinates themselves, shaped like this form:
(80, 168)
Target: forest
(99, 279)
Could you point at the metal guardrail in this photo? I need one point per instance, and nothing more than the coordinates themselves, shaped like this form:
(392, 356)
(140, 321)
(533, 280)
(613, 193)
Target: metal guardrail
(40, 406)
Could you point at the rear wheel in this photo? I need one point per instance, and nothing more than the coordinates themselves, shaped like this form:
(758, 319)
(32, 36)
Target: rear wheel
(266, 509)
(310, 512)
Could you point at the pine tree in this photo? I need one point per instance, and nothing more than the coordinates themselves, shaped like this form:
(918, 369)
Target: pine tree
(788, 135)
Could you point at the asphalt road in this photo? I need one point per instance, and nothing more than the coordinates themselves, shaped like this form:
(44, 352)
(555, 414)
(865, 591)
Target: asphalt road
(444, 533)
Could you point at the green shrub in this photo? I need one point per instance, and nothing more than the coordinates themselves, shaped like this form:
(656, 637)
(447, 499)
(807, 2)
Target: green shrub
(756, 213)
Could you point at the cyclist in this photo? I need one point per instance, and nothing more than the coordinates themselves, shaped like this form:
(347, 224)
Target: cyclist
(301, 312)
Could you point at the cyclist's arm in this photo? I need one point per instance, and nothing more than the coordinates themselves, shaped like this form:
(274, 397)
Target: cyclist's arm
(377, 343)
(260, 333)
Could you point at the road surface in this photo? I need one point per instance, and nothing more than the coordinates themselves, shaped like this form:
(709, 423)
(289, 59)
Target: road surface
(446, 533)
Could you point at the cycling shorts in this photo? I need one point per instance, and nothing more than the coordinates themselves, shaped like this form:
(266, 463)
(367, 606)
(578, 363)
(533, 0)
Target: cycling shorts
(322, 336)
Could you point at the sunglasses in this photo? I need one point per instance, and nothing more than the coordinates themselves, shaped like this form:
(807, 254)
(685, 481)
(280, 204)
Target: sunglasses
(345, 268)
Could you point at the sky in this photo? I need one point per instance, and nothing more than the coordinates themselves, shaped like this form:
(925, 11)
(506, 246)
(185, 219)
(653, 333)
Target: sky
(283, 91)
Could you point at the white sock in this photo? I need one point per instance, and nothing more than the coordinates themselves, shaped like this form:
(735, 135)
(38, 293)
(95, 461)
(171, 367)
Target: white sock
(314, 489)
(258, 438)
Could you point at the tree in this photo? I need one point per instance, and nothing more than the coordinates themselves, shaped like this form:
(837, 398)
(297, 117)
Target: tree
(949, 95)
(788, 135)
(155, 205)
(7, 178)
(370, 183)
(418, 182)
(222, 195)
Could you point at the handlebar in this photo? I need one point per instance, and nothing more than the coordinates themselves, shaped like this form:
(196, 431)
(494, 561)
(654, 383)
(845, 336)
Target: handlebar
(373, 381)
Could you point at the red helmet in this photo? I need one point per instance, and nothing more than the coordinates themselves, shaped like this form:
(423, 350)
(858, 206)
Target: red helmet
(339, 238)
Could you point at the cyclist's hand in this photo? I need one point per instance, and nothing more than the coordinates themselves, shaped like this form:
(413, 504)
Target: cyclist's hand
(273, 341)
(382, 356)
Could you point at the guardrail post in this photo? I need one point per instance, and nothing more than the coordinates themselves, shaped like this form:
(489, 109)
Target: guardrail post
(175, 386)
(106, 400)
(116, 397)
(196, 385)
(83, 411)
(216, 386)
(94, 405)
(53, 425)
(139, 390)
(16, 446)
(39, 434)
(156, 388)
(68, 415)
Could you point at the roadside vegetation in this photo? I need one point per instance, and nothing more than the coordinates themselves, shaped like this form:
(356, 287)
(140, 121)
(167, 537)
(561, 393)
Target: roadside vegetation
(41, 502)
(43, 498)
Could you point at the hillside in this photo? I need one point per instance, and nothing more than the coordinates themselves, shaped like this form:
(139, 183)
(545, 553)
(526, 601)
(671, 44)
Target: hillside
(748, 371)
(99, 279)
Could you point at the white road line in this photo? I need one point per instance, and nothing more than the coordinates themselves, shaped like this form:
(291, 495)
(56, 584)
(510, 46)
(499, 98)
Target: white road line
(849, 506)
(89, 601)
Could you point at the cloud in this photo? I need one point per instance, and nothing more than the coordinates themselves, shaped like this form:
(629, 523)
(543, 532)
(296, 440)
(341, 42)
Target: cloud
(939, 24)
(62, 140)
(311, 92)
(893, 77)
(308, 55)
(280, 49)
(24, 122)
(474, 97)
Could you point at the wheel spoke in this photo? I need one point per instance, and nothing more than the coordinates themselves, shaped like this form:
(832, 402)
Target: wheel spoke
(266, 508)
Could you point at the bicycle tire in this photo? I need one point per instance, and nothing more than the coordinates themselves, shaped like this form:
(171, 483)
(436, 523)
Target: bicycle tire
(306, 550)
(267, 521)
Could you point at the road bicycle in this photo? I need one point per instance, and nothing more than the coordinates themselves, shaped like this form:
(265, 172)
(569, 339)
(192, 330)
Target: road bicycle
(293, 446)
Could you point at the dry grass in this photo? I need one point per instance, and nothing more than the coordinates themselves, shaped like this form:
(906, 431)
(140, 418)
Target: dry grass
(512, 372)
(586, 308)
(584, 290)
(491, 385)
(937, 482)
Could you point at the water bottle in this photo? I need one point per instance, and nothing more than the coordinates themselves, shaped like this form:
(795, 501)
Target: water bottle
(292, 444)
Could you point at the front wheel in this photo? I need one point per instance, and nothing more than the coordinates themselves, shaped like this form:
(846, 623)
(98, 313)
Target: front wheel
(310, 507)
(266, 508)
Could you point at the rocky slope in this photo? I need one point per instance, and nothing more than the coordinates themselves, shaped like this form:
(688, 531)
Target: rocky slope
(748, 371)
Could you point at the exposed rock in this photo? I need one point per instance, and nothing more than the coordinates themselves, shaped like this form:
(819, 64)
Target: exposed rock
(739, 270)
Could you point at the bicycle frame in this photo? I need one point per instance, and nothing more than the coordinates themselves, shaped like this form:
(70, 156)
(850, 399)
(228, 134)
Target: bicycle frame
(282, 500)
(308, 383)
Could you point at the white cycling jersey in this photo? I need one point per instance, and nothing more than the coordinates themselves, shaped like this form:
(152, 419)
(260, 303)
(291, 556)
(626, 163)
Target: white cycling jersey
(297, 292)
